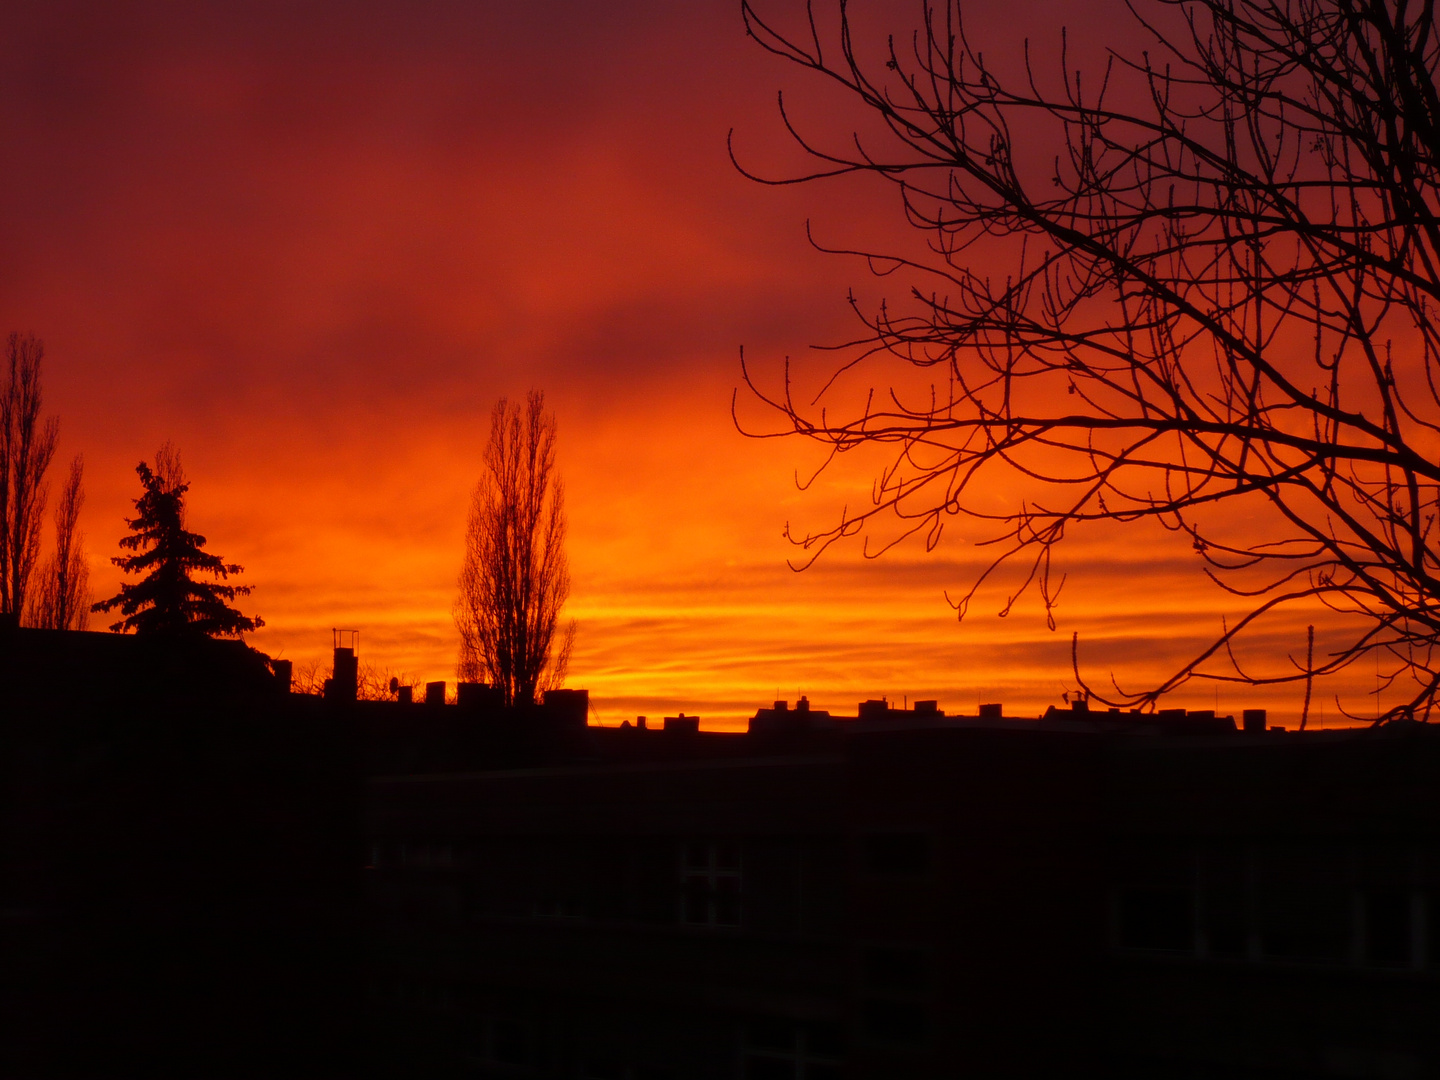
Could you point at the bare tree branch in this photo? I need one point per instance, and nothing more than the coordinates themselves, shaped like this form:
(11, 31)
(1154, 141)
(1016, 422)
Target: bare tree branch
(1196, 289)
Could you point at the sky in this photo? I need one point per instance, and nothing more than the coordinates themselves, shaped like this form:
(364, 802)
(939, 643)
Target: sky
(313, 244)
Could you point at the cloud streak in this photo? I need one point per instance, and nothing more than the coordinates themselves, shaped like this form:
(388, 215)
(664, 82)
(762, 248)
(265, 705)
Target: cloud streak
(313, 244)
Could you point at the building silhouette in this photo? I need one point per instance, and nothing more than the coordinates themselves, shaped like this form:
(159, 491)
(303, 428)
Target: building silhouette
(472, 891)
(179, 852)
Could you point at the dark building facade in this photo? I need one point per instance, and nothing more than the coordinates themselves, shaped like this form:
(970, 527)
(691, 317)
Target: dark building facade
(903, 893)
(179, 864)
(206, 875)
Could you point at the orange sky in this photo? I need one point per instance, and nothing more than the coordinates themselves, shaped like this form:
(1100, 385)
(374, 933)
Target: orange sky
(312, 244)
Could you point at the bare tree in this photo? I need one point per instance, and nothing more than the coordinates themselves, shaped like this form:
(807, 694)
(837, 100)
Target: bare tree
(63, 600)
(372, 683)
(26, 447)
(308, 678)
(383, 683)
(515, 578)
(1194, 287)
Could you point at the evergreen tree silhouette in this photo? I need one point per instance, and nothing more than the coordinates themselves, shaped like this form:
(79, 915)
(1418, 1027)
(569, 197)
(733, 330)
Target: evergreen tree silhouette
(168, 600)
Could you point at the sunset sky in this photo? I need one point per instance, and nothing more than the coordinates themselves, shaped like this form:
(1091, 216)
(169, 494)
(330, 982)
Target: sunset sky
(312, 244)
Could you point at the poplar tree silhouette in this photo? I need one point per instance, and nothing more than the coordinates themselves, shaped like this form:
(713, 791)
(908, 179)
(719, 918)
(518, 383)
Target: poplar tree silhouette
(27, 444)
(169, 600)
(515, 577)
(63, 599)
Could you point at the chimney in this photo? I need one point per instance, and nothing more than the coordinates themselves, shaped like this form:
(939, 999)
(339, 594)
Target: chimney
(284, 672)
(1254, 720)
(405, 695)
(435, 693)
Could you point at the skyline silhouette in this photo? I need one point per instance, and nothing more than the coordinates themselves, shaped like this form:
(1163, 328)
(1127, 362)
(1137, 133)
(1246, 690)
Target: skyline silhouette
(207, 874)
(797, 539)
(316, 269)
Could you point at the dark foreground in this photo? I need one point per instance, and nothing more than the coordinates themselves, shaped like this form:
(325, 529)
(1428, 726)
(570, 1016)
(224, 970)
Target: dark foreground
(204, 875)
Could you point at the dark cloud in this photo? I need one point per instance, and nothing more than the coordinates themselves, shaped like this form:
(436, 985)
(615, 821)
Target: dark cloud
(314, 242)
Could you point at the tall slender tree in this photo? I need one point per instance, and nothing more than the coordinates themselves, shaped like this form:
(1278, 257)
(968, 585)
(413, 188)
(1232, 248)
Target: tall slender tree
(27, 445)
(168, 599)
(63, 600)
(515, 577)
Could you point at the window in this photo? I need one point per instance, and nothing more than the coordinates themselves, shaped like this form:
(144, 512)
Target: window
(1387, 927)
(421, 994)
(897, 854)
(1305, 905)
(604, 1068)
(1305, 901)
(788, 1050)
(492, 1040)
(1225, 903)
(391, 854)
(1153, 898)
(902, 1022)
(1157, 918)
(509, 1042)
(897, 983)
(557, 909)
(1431, 915)
(612, 1068)
(710, 880)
